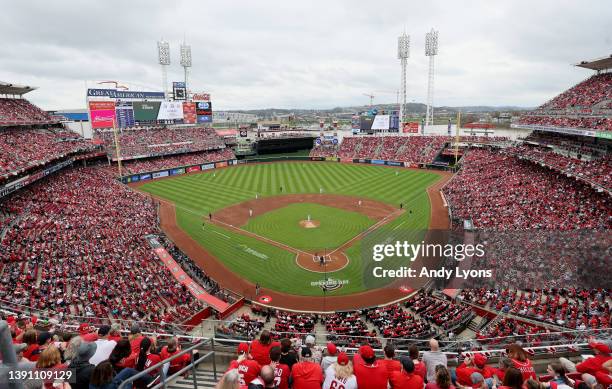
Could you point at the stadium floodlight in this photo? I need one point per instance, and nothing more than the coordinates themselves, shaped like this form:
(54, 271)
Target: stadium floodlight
(431, 50)
(403, 52)
(186, 63)
(163, 57)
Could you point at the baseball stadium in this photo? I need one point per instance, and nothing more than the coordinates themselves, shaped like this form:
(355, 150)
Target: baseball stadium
(149, 241)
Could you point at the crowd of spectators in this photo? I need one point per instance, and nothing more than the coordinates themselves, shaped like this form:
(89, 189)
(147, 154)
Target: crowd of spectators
(243, 327)
(496, 190)
(176, 160)
(441, 312)
(349, 329)
(573, 308)
(585, 122)
(23, 148)
(583, 95)
(155, 141)
(289, 322)
(77, 248)
(394, 322)
(22, 112)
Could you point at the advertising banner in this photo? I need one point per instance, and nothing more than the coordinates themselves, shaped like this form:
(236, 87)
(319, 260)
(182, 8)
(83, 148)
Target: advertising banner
(124, 95)
(243, 133)
(347, 160)
(201, 97)
(204, 108)
(365, 122)
(135, 178)
(178, 171)
(160, 174)
(220, 164)
(204, 118)
(208, 166)
(191, 169)
(233, 162)
(381, 122)
(410, 127)
(317, 158)
(170, 110)
(146, 110)
(102, 114)
(377, 162)
(189, 113)
(145, 177)
(332, 159)
(393, 163)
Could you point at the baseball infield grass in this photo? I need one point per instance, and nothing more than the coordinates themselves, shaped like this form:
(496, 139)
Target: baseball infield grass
(196, 195)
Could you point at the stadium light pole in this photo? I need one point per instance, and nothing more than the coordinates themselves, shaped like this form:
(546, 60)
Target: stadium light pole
(186, 64)
(403, 52)
(431, 50)
(163, 58)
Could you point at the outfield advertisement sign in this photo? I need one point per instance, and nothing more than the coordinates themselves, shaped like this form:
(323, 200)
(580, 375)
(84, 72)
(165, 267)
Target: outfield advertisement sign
(170, 110)
(146, 111)
(189, 113)
(393, 163)
(102, 114)
(331, 159)
(317, 158)
(125, 95)
(192, 169)
(204, 118)
(175, 172)
(208, 166)
(145, 177)
(377, 162)
(410, 127)
(220, 164)
(160, 174)
(381, 122)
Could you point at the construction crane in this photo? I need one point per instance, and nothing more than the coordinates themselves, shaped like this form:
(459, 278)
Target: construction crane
(371, 96)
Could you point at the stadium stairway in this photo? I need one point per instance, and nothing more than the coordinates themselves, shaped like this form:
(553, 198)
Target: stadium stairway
(205, 379)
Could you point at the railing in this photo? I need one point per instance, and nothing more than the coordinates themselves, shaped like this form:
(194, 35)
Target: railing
(162, 380)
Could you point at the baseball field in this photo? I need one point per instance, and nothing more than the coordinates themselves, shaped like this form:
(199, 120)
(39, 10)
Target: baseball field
(271, 223)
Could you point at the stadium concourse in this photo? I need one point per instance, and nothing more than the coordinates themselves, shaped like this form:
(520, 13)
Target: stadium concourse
(79, 249)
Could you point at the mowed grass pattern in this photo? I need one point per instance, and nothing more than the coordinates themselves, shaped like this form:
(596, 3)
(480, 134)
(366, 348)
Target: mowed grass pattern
(198, 194)
(336, 226)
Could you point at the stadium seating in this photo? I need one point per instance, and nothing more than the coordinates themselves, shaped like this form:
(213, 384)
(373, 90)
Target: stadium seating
(23, 148)
(585, 122)
(496, 190)
(585, 94)
(176, 160)
(155, 141)
(77, 248)
(20, 112)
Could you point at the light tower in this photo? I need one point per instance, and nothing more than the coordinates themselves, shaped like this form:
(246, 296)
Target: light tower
(403, 52)
(163, 57)
(431, 50)
(186, 64)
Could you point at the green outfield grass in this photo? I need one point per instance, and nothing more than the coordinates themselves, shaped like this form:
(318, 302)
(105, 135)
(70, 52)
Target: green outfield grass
(283, 225)
(198, 194)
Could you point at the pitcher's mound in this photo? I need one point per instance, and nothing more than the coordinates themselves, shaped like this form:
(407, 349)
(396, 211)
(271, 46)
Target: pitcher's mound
(309, 223)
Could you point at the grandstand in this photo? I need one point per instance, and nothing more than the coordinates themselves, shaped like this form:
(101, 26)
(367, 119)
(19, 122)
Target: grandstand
(79, 249)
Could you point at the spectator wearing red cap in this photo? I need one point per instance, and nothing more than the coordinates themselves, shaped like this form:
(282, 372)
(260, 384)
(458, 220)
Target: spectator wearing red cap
(281, 371)
(369, 372)
(340, 374)
(330, 358)
(390, 362)
(591, 365)
(471, 365)
(248, 368)
(86, 332)
(260, 348)
(406, 378)
(307, 374)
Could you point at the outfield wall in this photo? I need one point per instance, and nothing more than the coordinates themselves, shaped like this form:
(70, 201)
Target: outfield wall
(152, 175)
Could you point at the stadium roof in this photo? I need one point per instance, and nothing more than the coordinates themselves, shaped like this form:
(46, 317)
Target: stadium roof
(597, 64)
(14, 89)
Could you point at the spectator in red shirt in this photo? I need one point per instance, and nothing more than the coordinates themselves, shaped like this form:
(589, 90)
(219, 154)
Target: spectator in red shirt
(419, 367)
(475, 364)
(369, 372)
(31, 352)
(281, 371)
(173, 347)
(86, 332)
(147, 356)
(443, 379)
(135, 338)
(406, 378)
(390, 363)
(242, 353)
(260, 348)
(307, 374)
(248, 369)
(520, 361)
(590, 365)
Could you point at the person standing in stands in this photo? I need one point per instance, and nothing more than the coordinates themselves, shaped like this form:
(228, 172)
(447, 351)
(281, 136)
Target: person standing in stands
(260, 348)
(406, 378)
(340, 374)
(369, 372)
(520, 361)
(306, 374)
(419, 367)
(330, 358)
(390, 362)
(288, 355)
(433, 358)
(281, 371)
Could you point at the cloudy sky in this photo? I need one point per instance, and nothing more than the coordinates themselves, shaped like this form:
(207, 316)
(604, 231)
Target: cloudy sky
(306, 54)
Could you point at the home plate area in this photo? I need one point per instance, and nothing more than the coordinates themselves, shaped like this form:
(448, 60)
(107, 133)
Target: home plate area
(322, 263)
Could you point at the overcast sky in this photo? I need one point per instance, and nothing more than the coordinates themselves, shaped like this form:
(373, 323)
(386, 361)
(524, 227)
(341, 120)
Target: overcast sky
(305, 54)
